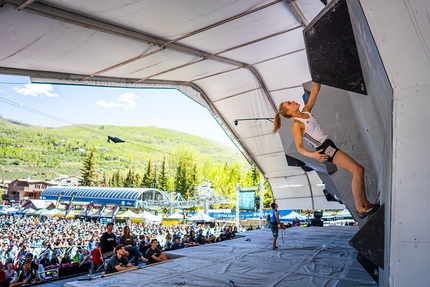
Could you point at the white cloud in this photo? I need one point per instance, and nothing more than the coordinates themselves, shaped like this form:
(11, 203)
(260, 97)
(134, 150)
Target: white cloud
(36, 90)
(126, 101)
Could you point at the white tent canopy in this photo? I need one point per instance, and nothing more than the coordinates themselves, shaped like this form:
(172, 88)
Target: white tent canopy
(238, 58)
(290, 216)
(200, 216)
(150, 218)
(51, 212)
(128, 214)
(175, 215)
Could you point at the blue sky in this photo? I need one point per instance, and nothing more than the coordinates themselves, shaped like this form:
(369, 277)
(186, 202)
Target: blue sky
(162, 108)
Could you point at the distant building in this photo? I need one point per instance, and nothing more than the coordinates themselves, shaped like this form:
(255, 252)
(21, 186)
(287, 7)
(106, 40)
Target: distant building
(71, 180)
(21, 189)
(38, 204)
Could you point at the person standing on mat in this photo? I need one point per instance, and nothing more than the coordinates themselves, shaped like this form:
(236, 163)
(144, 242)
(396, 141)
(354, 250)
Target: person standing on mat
(306, 126)
(274, 221)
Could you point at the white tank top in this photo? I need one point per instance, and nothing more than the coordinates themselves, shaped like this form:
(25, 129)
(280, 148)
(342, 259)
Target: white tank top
(314, 134)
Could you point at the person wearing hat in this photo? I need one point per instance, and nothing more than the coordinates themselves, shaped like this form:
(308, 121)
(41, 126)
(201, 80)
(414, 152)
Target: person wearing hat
(54, 259)
(66, 258)
(45, 260)
(29, 258)
(224, 236)
(186, 242)
(119, 261)
(176, 243)
(25, 276)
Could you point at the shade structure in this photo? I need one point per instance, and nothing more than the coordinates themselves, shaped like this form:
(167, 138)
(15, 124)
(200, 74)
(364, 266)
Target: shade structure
(200, 216)
(51, 212)
(238, 58)
(150, 218)
(290, 216)
(128, 214)
(10, 210)
(174, 216)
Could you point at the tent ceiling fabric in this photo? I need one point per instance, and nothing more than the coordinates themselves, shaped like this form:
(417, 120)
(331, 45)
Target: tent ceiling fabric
(238, 58)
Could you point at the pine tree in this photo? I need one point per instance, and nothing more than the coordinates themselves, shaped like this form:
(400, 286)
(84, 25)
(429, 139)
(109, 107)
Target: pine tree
(117, 179)
(162, 176)
(88, 172)
(181, 182)
(253, 176)
(147, 176)
(105, 179)
(193, 181)
(130, 179)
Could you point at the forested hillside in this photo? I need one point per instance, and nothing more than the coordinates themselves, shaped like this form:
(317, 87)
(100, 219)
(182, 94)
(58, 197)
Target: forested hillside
(161, 158)
(44, 153)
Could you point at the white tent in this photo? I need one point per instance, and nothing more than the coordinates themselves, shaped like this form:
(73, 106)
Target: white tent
(151, 218)
(29, 211)
(128, 214)
(290, 216)
(10, 210)
(175, 215)
(200, 216)
(51, 212)
(344, 213)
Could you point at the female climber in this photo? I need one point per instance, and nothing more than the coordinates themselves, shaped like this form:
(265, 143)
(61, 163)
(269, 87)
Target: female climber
(306, 126)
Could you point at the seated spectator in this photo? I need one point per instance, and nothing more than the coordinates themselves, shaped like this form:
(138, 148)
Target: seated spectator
(40, 269)
(168, 246)
(250, 228)
(201, 239)
(133, 251)
(210, 239)
(45, 260)
(119, 262)
(29, 258)
(144, 244)
(176, 243)
(84, 258)
(66, 259)
(25, 276)
(186, 243)
(192, 236)
(231, 233)
(76, 257)
(54, 259)
(153, 254)
(224, 236)
(10, 273)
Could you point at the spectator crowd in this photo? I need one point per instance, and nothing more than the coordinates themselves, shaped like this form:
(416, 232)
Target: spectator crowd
(31, 245)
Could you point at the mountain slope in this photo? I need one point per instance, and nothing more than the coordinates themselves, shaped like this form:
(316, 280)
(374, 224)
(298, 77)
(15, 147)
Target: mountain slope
(45, 153)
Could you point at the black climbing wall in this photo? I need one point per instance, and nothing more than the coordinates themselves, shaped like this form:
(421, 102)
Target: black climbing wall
(331, 49)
